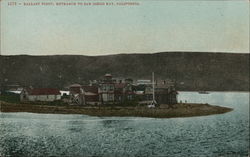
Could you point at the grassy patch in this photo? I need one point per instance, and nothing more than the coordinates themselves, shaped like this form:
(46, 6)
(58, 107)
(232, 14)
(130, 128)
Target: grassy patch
(180, 110)
(10, 97)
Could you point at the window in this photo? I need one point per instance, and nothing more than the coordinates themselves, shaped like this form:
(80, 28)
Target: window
(129, 97)
(111, 87)
(104, 88)
(110, 97)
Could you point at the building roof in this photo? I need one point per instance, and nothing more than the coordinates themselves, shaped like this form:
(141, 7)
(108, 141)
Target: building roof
(44, 91)
(91, 89)
(108, 75)
(75, 85)
(75, 89)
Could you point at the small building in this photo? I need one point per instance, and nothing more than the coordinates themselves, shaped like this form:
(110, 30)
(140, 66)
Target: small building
(64, 92)
(76, 95)
(91, 95)
(15, 91)
(123, 92)
(82, 95)
(165, 93)
(165, 96)
(40, 94)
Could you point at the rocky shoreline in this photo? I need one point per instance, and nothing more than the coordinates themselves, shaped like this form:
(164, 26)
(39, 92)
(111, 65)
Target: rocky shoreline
(178, 110)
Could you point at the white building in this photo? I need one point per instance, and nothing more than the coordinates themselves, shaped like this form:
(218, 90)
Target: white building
(40, 94)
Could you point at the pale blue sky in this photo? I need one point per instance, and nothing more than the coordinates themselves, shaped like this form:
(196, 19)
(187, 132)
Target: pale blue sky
(153, 26)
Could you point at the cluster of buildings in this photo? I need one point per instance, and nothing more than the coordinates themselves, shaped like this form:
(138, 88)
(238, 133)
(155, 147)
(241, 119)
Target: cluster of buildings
(122, 91)
(108, 90)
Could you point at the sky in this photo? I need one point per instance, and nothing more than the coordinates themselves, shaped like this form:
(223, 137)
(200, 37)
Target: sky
(152, 26)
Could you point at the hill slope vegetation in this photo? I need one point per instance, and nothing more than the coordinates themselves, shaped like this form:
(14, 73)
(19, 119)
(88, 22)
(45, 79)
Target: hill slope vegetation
(191, 71)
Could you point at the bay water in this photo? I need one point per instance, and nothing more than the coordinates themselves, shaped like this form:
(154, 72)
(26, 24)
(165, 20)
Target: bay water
(30, 134)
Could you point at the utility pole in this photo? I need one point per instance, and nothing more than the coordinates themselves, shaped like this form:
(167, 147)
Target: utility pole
(153, 82)
(152, 105)
(1, 27)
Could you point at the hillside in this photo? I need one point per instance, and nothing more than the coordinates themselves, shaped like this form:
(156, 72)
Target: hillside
(198, 71)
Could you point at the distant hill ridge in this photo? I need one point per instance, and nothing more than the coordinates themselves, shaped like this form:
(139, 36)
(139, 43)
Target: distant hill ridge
(191, 70)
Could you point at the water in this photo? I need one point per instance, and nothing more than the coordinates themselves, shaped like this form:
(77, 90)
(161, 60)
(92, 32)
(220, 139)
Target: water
(29, 134)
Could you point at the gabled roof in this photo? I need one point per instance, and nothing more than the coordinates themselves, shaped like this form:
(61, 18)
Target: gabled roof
(43, 91)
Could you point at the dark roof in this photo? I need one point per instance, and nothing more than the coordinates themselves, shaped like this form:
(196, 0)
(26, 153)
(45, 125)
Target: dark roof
(44, 91)
(75, 89)
(92, 89)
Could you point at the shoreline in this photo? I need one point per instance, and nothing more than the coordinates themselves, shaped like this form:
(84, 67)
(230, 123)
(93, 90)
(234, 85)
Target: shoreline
(178, 110)
(217, 91)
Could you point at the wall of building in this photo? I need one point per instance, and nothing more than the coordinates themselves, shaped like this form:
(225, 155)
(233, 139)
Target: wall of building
(44, 97)
(106, 97)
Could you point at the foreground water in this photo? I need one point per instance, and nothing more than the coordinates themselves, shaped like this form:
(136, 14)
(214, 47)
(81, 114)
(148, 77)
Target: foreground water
(28, 134)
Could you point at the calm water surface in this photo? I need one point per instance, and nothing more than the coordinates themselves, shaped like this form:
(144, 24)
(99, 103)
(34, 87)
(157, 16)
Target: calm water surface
(28, 134)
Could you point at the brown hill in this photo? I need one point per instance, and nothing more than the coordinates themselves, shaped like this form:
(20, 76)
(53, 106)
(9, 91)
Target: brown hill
(191, 70)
